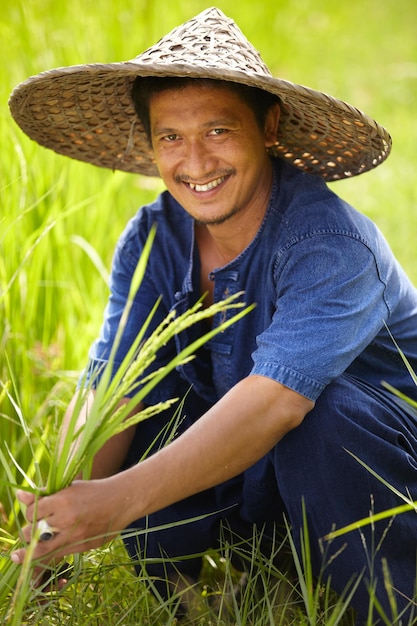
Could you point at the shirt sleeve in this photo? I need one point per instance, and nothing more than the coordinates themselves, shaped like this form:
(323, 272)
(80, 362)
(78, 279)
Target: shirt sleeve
(329, 306)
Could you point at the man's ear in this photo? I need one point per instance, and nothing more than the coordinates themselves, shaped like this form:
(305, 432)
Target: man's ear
(271, 125)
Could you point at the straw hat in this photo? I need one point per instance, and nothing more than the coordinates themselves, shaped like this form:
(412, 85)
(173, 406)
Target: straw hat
(86, 112)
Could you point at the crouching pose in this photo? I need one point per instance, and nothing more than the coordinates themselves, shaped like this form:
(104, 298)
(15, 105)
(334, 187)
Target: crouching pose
(277, 404)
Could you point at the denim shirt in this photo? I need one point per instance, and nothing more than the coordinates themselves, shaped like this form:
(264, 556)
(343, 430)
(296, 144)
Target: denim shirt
(326, 286)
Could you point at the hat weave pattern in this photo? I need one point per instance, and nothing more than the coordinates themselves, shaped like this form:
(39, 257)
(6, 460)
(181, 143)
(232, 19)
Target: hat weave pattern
(210, 40)
(86, 111)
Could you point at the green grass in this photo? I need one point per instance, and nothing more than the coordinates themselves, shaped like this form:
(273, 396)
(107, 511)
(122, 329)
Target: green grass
(60, 220)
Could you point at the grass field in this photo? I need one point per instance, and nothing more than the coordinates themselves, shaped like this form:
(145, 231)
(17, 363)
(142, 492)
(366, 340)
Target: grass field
(60, 220)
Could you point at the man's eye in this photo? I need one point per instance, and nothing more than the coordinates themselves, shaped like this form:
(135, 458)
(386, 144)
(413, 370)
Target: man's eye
(171, 137)
(217, 131)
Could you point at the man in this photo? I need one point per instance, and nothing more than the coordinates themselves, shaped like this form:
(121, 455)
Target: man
(273, 405)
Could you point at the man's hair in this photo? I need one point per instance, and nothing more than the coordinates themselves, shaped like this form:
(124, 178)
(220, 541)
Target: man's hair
(258, 100)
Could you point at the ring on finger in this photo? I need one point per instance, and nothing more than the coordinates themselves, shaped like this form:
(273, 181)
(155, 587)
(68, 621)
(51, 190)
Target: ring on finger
(46, 532)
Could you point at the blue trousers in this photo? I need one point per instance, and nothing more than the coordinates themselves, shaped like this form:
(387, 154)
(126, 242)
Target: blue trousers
(311, 467)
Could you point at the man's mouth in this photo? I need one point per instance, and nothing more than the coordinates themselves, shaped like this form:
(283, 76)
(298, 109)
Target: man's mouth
(207, 186)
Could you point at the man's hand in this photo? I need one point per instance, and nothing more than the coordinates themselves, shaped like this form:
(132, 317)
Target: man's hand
(83, 516)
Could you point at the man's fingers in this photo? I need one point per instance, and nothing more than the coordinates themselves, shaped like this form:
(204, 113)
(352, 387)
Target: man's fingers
(26, 533)
(18, 556)
(43, 552)
(25, 497)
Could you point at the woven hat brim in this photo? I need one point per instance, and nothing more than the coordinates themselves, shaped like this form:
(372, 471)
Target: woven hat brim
(86, 112)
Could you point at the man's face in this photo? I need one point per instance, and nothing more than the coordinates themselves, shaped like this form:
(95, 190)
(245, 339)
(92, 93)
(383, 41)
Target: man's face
(211, 153)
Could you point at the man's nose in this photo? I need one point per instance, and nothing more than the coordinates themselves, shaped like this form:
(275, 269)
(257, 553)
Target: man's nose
(198, 160)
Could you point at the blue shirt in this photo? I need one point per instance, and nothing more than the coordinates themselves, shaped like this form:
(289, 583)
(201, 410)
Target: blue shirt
(325, 283)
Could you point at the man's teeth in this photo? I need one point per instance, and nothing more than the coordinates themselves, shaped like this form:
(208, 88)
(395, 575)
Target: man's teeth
(211, 185)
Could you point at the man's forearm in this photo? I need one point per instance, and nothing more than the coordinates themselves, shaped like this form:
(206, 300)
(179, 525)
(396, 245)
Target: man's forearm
(111, 456)
(240, 429)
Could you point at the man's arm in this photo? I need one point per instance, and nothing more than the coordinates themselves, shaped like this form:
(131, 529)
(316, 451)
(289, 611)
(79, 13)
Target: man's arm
(242, 427)
(111, 456)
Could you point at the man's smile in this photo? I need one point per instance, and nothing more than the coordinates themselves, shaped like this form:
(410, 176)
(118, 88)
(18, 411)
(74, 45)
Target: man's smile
(207, 186)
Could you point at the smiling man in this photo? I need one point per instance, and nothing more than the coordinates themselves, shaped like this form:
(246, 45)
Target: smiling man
(273, 404)
(213, 158)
